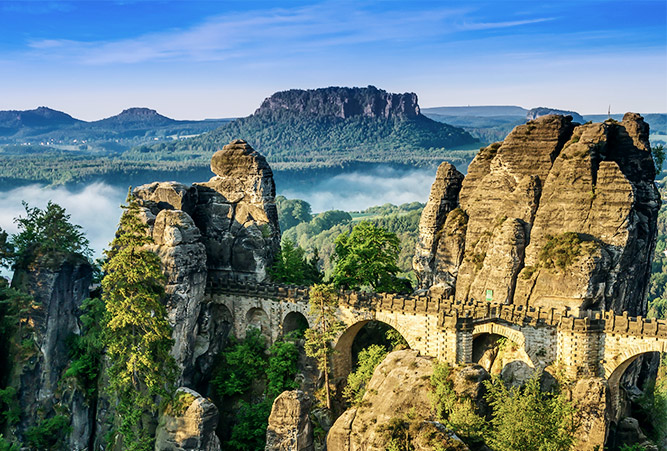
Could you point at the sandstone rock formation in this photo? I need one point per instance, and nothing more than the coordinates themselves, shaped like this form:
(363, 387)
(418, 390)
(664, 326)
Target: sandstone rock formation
(289, 424)
(58, 283)
(400, 384)
(227, 226)
(557, 215)
(344, 102)
(542, 111)
(189, 425)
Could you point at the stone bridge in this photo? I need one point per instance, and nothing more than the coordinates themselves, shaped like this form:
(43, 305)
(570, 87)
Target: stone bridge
(582, 344)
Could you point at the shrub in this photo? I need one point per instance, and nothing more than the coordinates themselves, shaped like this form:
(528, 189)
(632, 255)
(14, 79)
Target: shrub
(282, 367)
(561, 251)
(48, 434)
(240, 364)
(369, 359)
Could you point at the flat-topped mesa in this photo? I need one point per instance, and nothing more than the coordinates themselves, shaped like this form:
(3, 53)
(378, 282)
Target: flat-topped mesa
(557, 215)
(343, 102)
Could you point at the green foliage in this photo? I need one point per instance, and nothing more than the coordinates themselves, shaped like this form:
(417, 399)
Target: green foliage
(86, 350)
(526, 419)
(249, 433)
(658, 153)
(367, 257)
(241, 363)
(442, 395)
(561, 251)
(323, 305)
(9, 406)
(137, 334)
(48, 434)
(292, 266)
(653, 404)
(369, 359)
(283, 357)
(292, 212)
(396, 340)
(15, 328)
(8, 446)
(46, 231)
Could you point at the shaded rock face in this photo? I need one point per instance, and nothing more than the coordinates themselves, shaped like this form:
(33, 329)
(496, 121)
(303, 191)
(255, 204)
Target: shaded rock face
(59, 284)
(191, 428)
(549, 177)
(400, 384)
(226, 226)
(289, 424)
(343, 102)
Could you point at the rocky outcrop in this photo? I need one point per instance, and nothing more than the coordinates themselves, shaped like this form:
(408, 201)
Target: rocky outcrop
(343, 103)
(443, 199)
(188, 425)
(289, 426)
(557, 215)
(405, 376)
(58, 284)
(541, 111)
(591, 397)
(227, 226)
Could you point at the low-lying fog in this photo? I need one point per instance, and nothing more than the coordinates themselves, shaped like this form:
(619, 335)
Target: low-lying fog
(96, 206)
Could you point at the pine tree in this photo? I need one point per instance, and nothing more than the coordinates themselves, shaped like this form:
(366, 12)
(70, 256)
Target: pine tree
(323, 305)
(137, 334)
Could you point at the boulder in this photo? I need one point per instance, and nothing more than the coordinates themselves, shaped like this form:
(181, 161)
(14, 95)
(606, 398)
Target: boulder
(400, 384)
(188, 425)
(289, 426)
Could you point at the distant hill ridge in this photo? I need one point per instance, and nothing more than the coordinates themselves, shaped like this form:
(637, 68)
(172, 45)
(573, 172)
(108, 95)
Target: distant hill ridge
(343, 102)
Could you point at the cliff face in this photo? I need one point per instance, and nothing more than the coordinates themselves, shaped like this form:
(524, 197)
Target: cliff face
(557, 215)
(58, 283)
(226, 226)
(343, 102)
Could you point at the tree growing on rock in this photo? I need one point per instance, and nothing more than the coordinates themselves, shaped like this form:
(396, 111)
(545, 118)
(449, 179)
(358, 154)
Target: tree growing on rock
(137, 334)
(292, 266)
(323, 305)
(368, 257)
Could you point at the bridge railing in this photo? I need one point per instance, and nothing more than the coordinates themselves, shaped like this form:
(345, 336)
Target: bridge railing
(564, 318)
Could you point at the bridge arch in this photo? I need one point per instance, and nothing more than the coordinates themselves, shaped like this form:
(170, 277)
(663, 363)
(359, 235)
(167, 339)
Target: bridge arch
(616, 367)
(515, 362)
(294, 321)
(342, 357)
(257, 318)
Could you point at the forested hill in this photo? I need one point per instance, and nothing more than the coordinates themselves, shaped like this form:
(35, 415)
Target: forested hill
(329, 127)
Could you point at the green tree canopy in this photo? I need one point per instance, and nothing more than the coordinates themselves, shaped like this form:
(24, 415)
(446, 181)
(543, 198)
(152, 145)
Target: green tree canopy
(367, 257)
(292, 212)
(137, 334)
(49, 230)
(291, 265)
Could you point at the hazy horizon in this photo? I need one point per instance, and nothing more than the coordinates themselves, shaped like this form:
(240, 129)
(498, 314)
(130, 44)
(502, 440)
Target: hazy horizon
(197, 60)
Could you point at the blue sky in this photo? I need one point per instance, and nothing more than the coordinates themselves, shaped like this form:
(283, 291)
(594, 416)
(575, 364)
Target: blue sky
(194, 60)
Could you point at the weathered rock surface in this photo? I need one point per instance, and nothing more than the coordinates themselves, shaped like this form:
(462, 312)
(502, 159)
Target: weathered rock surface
(343, 102)
(542, 111)
(58, 283)
(289, 426)
(227, 226)
(591, 398)
(400, 384)
(191, 428)
(443, 199)
(549, 177)
(178, 244)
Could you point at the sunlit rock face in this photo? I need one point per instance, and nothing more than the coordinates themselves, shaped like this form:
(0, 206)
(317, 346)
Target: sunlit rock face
(551, 188)
(227, 226)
